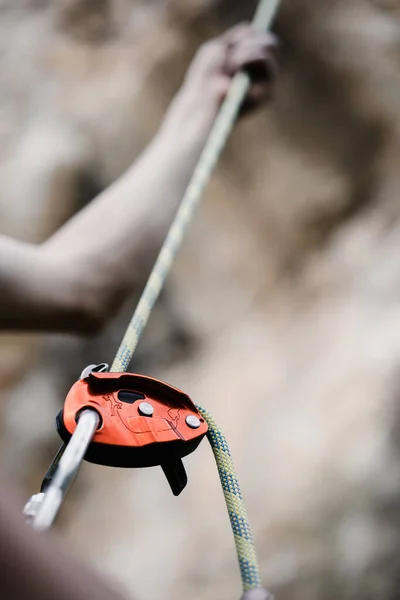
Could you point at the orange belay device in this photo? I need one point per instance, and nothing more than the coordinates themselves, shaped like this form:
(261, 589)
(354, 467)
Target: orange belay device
(144, 422)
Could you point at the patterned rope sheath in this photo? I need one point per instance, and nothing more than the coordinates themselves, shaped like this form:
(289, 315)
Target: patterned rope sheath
(245, 547)
(219, 135)
(221, 130)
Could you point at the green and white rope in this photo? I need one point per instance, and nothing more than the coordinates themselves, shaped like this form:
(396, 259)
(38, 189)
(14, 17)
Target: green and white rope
(219, 135)
(245, 547)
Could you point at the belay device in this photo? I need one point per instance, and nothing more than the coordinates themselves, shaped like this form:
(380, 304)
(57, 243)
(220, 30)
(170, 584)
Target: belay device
(143, 423)
(125, 420)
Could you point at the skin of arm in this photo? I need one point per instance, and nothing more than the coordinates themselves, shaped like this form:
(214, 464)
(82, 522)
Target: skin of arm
(79, 277)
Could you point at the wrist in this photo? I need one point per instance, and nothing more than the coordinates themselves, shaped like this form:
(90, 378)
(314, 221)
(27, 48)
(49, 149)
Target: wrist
(192, 111)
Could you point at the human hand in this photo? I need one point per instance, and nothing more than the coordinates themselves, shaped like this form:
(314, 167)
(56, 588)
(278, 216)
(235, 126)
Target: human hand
(218, 60)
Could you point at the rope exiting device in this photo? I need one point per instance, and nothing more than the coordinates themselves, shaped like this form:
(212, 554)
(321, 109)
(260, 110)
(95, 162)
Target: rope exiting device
(120, 419)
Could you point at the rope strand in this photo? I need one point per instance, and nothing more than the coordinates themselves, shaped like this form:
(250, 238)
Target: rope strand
(213, 149)
(245, 547)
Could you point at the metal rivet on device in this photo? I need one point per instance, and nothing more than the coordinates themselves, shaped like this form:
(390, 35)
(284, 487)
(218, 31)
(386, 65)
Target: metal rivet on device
(146, 409)
(193, 422)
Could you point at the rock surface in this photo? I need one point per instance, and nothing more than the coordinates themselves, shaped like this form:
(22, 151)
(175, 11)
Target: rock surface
(282, 315)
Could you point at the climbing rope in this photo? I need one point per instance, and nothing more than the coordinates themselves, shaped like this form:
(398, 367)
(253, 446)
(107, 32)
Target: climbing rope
(219, 135)
(244, 542)
(43, 508)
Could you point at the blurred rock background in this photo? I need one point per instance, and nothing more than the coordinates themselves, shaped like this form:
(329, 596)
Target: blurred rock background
(282, 314)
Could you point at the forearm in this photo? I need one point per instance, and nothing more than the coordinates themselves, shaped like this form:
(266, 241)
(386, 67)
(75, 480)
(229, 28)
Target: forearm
(79, 277)
(108, 241)
(81, 274)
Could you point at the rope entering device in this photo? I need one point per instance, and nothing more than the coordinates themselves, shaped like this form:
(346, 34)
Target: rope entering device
(42, 508)
(220, 132)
